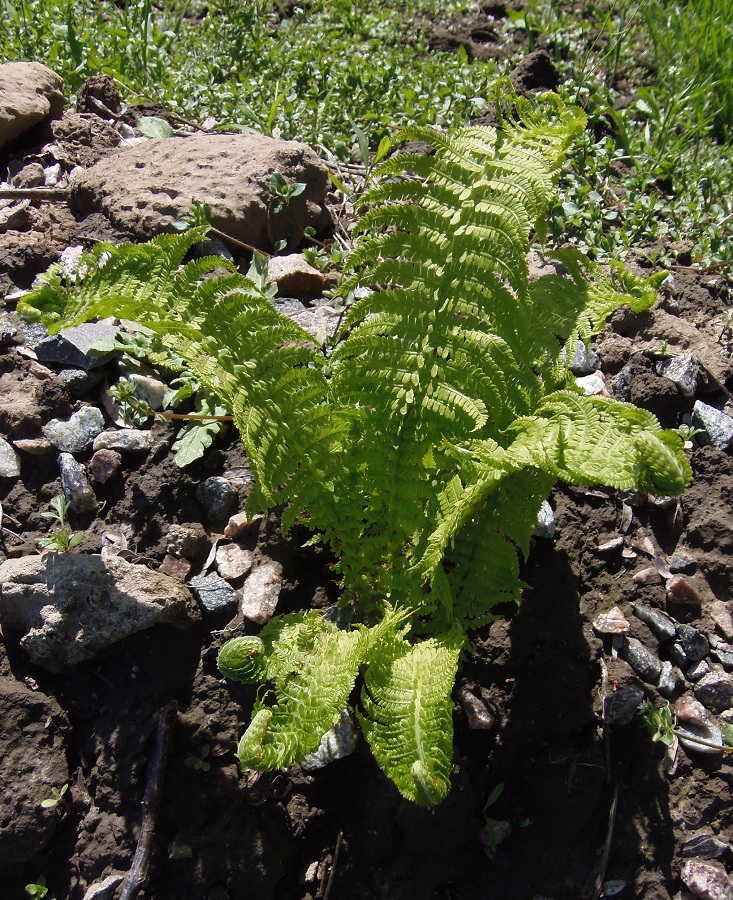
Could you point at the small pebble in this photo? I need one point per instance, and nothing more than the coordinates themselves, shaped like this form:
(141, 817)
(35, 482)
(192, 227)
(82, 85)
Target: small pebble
(704, 846)
(103, 890)
(718, 613)
(671, 681)
(681, 593)
(683, 371)
(715, 690)
(692, 712)
(187, 541)
(261, 592)
(148, 389)
(104, 464)
(76, 433)
(611, 622)
(479, 717)
(217, 497)
(125, 440)
(294, 277)
(707, 881)
(592, 384)
(660, 623)
(493, 834)
(611, 545)
(724, 657)
(75, 486)
(614, 887)
(620, 707)
(213, 593)
(175, 567)
(80, 382)
(698, 670)
(647, 576)
(682, 562)
(545, 523)
(241, 525)
(694, 644)
(34, 446)
(642, 661)
(340, 741)
(716, 426)
(584, 361)
(233, 561)
(9, 460)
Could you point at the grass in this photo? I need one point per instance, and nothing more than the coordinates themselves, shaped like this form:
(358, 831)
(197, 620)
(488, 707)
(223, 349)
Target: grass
(656, 168)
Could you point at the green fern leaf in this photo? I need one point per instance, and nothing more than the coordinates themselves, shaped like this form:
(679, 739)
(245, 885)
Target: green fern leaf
(407, 714)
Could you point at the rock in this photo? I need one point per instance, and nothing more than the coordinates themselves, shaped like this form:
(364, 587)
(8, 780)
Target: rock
(698, 670)
(340, 741)
(19, 409)
(648, 575)
(592, 384)
(217, 497)
(622, 385)
(69, 606)
(715, 690)
(148, 389)
(706, 880)
(611, 622)
(73, 346)
(176, 568)
(545, 523)
(145, 188)
(610, 545)
(294, 277)
(80, 382)
(671, 680)
(34, 446)
(233, 561)
(715, 426)
(477, 713)
(29, 94)
(584, 361)
(620, 707)
(240, 525)
(261, 592)
(104, 90)
(694, 721)
(125, 440)
(704, 845)
(320, 321)
(75, 486)
(29, 176)
(535, 72)
(694, 645)
(15, 216)
(9, 460)
(104, 464)
(721, 617)
(33, 732)
(683, 371)
(187, 541)
(77, 433)
(723, 656)
(683, 562)
(642, 661)
(681, 593)
(660, 623)
(213, 593)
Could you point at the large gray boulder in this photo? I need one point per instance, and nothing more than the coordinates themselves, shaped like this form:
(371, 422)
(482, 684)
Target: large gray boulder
(68, 606)
(143, 189)
(29, 94)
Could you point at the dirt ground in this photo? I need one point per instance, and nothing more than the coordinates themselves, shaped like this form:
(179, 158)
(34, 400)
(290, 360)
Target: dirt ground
(585, 802)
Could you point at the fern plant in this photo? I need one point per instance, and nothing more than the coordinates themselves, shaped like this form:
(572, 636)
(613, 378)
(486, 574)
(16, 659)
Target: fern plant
(422, 445)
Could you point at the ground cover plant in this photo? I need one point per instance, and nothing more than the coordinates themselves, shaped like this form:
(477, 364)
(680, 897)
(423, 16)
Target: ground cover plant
(422, 445)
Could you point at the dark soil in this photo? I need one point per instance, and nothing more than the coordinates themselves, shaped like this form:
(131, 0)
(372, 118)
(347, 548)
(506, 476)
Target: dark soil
(344, 831)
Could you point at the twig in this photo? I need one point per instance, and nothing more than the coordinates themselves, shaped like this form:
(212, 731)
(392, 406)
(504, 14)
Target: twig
(696, 740)
(714, 268)
(607, 846)
(332, 873)
(196, 417)
(151, 800)
(56, 194)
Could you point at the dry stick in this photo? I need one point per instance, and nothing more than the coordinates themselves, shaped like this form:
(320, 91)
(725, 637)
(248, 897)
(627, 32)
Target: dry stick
(57, 194)
(332, 873)
(607, 847)
(151, 800)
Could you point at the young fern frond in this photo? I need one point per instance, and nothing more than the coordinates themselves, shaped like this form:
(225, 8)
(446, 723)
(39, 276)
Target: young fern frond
(423, 445)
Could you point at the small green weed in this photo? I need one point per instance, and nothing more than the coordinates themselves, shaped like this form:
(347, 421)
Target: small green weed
(64, 538)
(57, 796)
(37, 889)
(200, 763)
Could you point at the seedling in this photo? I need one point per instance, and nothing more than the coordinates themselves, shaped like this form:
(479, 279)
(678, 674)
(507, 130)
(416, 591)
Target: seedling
(38, 889)
(200, 762)
(489, 825)
(56, 797)
(63, 539)
(283, 192)
(662, 725)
